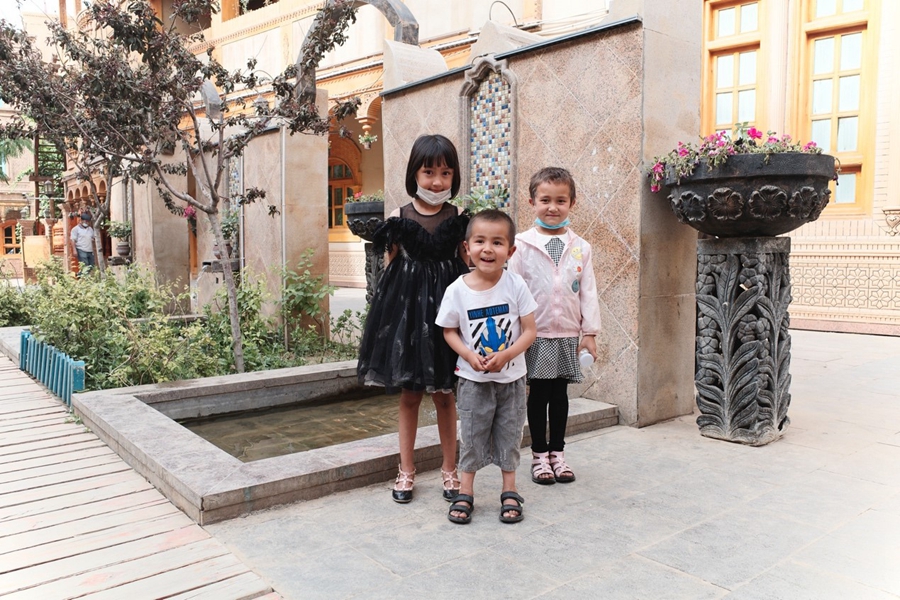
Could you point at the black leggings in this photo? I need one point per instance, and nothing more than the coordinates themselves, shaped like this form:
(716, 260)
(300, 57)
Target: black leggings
(548, 395)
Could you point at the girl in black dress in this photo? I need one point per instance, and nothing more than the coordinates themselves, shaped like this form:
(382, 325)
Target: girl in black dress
(402, 349)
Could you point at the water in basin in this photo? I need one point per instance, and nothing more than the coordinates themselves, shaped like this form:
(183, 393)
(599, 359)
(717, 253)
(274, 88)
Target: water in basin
(255, 435)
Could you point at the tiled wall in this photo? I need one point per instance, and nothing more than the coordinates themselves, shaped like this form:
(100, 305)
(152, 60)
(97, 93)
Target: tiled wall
(583, 104)
(490, 135)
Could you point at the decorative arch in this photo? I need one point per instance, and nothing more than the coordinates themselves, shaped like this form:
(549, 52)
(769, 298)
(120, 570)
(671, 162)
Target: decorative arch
(344, 180)
(370, 107)
(406, 30)
(488, 109)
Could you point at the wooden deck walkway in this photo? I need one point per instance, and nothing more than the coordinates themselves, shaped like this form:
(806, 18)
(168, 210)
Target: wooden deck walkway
(77, 522)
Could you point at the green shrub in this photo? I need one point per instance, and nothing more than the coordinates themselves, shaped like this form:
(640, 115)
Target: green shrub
(120, 328)
(15, 305)
(263, 339)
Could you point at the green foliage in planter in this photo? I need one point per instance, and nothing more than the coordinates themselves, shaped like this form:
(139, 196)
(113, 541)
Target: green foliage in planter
(302, 296)
(480, 198)
(303, 292)
(231, 222)
(119, 327)
(263, 341)
(15, 305)
(120, 230)
(122, 330)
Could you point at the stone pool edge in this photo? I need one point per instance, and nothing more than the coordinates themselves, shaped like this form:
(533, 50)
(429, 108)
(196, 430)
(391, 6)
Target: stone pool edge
(210, 485)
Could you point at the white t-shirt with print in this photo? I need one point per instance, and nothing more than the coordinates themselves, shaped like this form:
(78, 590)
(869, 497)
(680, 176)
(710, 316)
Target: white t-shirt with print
(488, 321)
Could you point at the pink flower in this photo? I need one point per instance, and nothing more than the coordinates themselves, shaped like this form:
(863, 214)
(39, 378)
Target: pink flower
(754, 133)
(785, 138)
(357, 195)
(189, 212)
(810, 145)
(682, 150)
(658, 168)
(772, 140)
(654, 188)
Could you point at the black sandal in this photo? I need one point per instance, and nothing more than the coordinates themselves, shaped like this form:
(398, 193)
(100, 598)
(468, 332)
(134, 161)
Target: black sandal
(457, 507)
(517, 508)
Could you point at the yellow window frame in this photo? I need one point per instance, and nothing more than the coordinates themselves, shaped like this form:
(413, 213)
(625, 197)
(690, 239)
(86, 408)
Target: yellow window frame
(861, 162)
(735, 44)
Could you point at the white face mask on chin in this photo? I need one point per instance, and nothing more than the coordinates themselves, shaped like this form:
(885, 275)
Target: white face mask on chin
(433, 198)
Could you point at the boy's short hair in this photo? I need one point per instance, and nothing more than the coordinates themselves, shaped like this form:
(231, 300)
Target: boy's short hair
(552, 175)
(492, 215)
(431, 151)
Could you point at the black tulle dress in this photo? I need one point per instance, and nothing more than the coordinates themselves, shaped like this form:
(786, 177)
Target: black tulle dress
(401, 346)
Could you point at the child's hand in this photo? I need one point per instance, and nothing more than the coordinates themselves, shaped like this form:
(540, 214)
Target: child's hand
(590, 343)
(495, 362)
(476, 361)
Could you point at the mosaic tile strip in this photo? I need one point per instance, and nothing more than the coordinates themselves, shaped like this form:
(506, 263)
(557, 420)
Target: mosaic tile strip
(235, 179)
(490, 135)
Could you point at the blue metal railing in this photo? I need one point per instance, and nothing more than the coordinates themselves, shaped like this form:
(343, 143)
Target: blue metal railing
(59, 372)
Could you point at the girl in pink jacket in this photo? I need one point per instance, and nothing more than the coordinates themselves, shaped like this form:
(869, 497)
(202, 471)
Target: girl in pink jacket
(556, 265)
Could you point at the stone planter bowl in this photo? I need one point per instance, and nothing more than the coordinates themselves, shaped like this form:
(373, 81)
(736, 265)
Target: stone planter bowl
(749, 197)
(363, 218)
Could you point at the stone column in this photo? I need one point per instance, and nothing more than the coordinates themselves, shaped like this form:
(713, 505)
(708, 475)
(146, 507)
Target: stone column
(743, 345)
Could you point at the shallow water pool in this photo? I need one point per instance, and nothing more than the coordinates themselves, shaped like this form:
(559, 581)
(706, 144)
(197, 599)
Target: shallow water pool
(255, 435)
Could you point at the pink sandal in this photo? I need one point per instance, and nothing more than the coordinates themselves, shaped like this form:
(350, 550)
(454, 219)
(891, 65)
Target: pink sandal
(451, 484)
(403, 486)
(540, 469)
(561, 471)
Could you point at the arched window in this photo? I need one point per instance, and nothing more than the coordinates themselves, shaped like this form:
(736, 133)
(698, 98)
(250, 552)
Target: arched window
(343, 181)
(10, 243)
(340, 188)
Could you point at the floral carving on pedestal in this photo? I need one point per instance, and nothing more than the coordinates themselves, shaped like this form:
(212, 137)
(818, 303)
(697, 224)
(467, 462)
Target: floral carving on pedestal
(743, 344)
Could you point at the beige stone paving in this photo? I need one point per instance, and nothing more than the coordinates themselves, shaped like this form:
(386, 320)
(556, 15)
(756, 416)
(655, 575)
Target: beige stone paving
(659, 512)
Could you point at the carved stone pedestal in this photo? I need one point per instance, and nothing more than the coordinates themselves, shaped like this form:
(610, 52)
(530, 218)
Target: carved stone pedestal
(374, 267)
(743, 344)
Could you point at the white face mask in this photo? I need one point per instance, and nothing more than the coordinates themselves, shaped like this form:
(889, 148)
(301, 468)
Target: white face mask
(85, 224)
(433, 198)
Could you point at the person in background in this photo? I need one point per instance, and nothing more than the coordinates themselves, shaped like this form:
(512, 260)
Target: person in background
(82, 238)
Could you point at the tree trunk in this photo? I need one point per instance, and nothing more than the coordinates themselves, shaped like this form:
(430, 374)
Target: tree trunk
(98, 252)
(234, 316)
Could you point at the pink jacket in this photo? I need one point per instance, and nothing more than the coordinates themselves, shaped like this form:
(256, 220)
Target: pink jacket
(567, 294)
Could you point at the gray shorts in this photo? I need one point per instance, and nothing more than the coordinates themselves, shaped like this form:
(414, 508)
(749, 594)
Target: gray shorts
(491, 418)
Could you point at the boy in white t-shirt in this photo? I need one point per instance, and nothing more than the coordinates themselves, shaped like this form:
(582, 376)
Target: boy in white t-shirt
(488, 319)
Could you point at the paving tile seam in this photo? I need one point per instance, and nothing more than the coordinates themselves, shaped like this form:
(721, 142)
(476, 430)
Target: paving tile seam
(663, 565)
(816, 567)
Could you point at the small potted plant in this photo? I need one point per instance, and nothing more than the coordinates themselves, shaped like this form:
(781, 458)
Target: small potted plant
(231, 222)
(481, 198)
(365, 212)
(366, 139)
(746, 184)
(121, 230)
